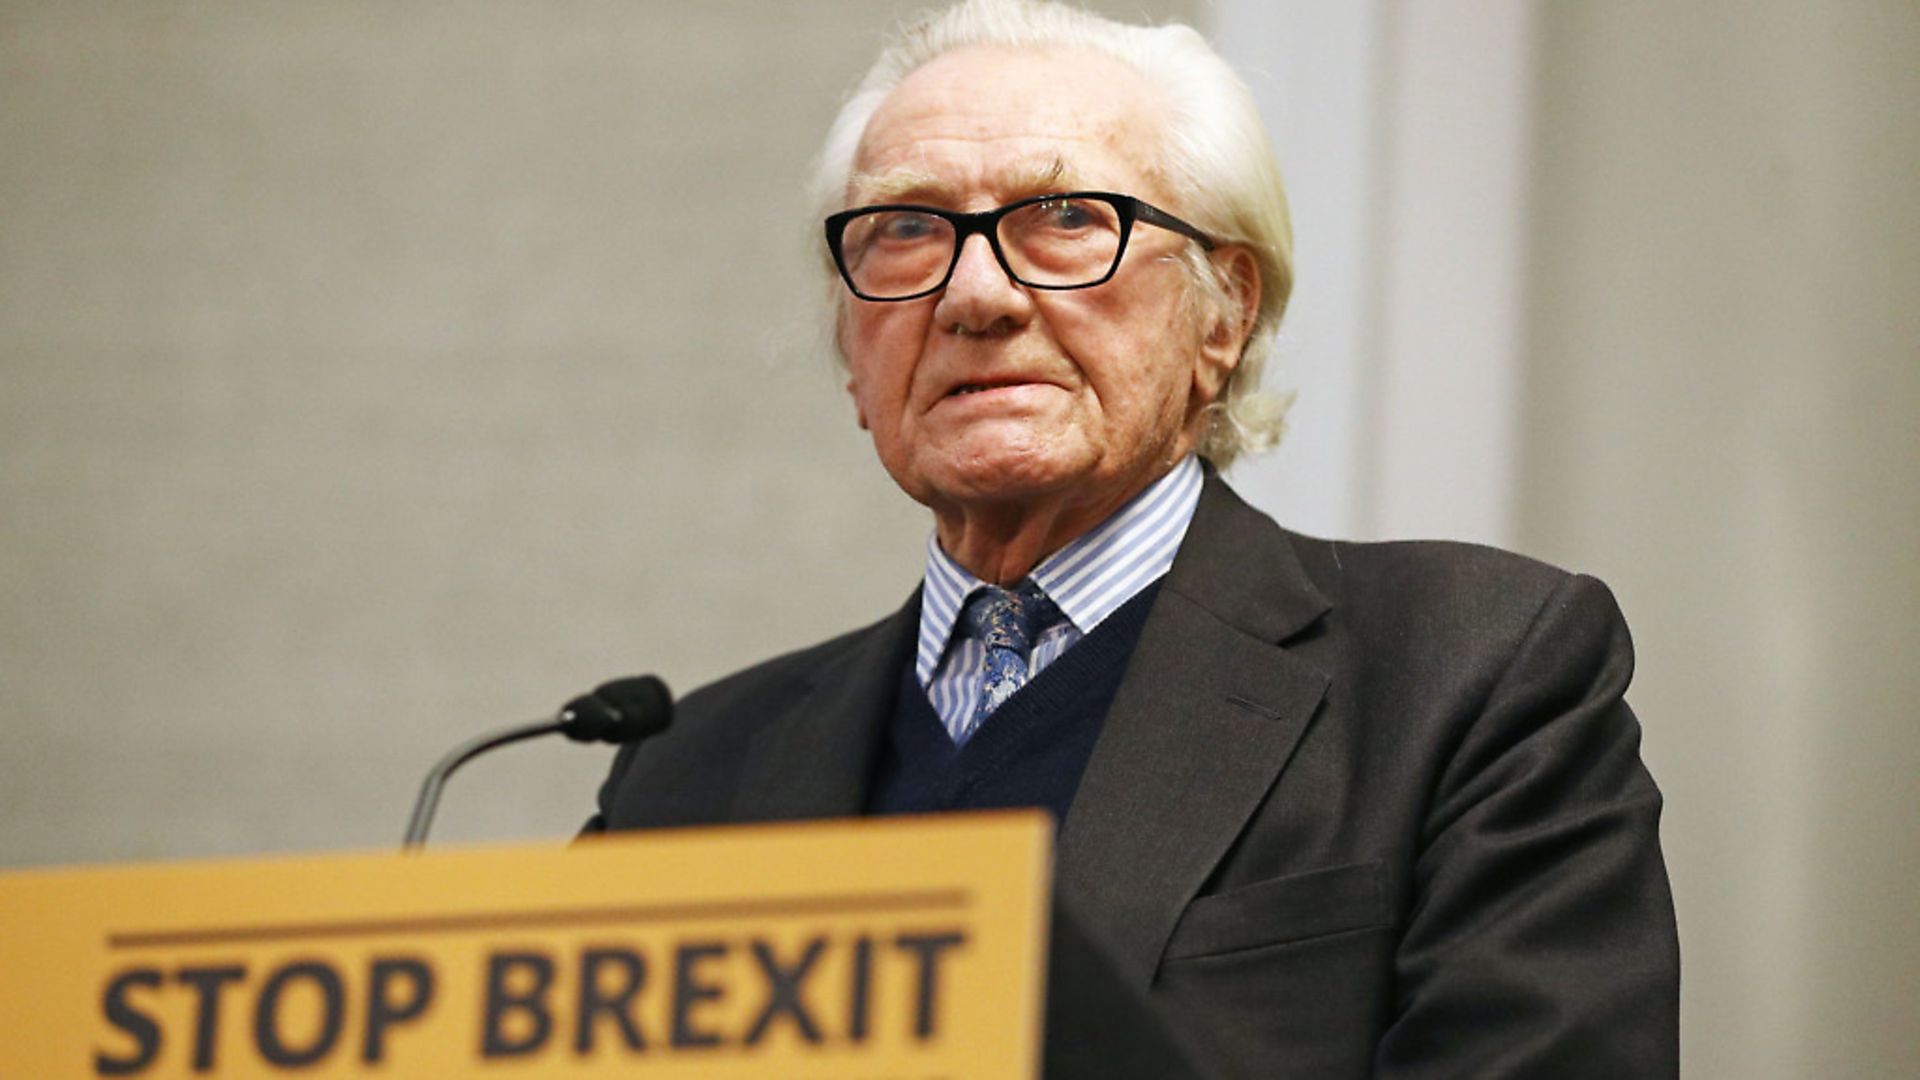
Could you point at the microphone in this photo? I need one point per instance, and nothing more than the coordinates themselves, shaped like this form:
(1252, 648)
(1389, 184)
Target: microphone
(622, 711)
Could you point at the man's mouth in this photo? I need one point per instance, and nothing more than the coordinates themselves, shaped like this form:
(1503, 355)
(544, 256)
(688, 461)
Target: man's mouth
(975, 388)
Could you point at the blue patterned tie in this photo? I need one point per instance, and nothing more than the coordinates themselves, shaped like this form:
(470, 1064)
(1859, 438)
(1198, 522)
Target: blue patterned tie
(1006, 622)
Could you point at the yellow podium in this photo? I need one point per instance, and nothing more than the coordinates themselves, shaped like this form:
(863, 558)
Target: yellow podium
(856, 950)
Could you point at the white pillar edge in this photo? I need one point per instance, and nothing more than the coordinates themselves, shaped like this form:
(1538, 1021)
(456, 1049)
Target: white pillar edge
(1403, 132)
(1312, 68)
(1442, 425)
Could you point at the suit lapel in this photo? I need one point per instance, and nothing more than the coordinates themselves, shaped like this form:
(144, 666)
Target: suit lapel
(1202, 726)
(816, 758)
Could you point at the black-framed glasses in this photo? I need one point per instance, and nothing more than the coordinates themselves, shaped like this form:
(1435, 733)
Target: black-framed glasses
(1072, 240)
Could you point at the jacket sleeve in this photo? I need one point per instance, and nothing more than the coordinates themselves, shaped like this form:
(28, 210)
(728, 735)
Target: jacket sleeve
(1541, 939)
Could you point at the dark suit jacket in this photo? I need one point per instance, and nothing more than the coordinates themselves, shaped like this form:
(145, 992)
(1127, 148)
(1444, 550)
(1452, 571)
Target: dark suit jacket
(1358, 809)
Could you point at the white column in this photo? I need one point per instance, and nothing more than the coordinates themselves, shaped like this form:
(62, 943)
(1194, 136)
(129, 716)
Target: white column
(1442, 423)
(1402, 131)
(1311, 68)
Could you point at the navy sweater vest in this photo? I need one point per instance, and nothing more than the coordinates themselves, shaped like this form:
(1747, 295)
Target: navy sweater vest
(1030, 751)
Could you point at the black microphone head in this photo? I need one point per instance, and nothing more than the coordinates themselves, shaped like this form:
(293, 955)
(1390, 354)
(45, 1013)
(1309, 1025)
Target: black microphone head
(622, 711)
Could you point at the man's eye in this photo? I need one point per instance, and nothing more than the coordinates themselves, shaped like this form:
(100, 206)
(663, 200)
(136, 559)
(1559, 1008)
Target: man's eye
(1066, 214)
(902, 227)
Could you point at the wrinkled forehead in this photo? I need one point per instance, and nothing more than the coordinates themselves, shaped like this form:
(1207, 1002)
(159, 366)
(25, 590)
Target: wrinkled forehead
(1047, 170)
(998, 123)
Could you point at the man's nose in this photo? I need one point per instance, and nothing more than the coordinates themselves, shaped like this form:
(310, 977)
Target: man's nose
(980, 298)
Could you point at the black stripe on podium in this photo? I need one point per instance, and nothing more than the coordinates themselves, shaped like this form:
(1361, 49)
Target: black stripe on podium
(777, 907)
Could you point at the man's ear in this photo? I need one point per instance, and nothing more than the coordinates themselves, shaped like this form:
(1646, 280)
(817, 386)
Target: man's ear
(1229, 324)
(859, 412)
(853, 381)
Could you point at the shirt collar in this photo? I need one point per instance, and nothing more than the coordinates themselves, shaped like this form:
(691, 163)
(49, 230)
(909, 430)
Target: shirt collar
(1089, 579)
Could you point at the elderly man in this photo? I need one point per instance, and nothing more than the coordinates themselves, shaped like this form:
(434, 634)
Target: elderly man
(1356, 809)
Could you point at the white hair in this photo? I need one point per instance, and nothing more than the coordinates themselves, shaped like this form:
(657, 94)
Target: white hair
(1215, 154)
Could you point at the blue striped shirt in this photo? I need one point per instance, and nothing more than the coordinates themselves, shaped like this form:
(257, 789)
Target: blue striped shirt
(1088, 580)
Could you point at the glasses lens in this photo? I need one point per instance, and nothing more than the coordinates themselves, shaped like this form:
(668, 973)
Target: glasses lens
(1062, 242)
(894, 253)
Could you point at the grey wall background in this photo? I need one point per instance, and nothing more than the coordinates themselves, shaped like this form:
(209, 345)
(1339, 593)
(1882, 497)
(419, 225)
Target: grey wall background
(371, 374)
(376, 373)
(1720, 419)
